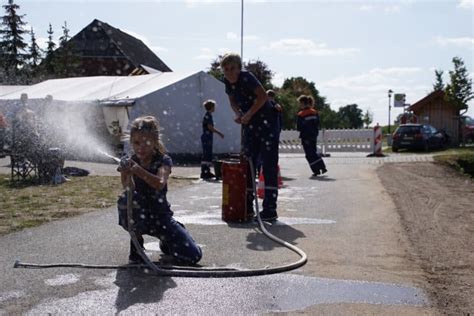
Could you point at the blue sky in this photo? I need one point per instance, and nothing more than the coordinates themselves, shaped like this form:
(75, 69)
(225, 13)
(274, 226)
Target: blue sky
(353, 50)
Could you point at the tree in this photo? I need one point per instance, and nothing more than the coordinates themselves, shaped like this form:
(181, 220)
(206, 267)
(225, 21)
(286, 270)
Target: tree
(215, 69)
(459, 90)
(350, 116)
(12, 44)
(34, 53)
(368, 118)
(261, 71)
(257, 67)
(438, 85)
(299, 85)
(48, 60)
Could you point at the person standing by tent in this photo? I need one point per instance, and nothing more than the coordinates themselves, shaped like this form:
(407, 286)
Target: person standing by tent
(308, 125)
(208, 130)
(260, 135)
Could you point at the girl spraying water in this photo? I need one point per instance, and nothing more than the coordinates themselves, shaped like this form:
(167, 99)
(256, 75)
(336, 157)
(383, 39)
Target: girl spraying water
(146, 173)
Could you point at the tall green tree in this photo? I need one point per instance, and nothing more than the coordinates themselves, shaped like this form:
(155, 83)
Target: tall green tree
(35, 53)
(48, 62)
(350, 116)
(439, 84)
(12, 43)
(459, 90)
(261, 71)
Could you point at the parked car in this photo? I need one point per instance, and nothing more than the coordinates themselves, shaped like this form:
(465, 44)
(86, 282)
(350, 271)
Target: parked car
(418, 136)
(468, 129)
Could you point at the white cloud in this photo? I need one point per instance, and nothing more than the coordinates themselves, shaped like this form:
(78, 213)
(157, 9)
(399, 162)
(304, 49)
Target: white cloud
(377, 79)
(464, 42)
(466, 4)
(302, 46)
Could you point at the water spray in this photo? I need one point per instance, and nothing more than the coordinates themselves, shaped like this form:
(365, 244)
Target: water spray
(186, 271)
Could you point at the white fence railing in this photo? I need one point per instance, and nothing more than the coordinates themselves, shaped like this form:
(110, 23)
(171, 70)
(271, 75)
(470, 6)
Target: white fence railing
(331, 140)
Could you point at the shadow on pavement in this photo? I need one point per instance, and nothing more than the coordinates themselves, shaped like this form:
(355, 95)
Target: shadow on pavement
(323, 179)
(258, 241)
(136, 286)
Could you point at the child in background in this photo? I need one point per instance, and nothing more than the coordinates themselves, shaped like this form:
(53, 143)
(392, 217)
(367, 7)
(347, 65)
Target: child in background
(308, 125)
(147, 172)
(208, 130)
(277, 107)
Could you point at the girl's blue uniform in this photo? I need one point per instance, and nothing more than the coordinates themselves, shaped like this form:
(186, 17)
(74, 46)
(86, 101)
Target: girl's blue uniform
(308, 126)
(259, 138)
(152, 216)
(206, 141)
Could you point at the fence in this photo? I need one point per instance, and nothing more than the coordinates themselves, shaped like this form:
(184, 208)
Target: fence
(331, 140)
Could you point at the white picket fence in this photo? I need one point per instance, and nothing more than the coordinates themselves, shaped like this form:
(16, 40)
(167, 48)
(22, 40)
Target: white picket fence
(331, 140)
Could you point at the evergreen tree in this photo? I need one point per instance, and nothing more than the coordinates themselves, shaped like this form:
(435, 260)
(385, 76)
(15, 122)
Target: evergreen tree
(35, 52)
(438, 85)
(12, 43)
(66, 61)
(48, 60)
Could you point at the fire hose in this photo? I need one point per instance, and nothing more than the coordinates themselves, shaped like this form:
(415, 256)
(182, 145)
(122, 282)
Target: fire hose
(186, 271)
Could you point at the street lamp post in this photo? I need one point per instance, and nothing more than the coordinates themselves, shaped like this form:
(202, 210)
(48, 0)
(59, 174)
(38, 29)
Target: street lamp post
(389, 107)
(242, 30)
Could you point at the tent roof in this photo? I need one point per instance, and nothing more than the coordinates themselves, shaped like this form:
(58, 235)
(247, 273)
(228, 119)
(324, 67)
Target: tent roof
(99, 88)
(10, 89)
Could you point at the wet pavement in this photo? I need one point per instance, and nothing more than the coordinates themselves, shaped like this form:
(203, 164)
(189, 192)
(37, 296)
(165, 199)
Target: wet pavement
(315, 215)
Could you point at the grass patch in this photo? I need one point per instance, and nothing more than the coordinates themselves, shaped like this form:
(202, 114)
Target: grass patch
(26, 204)
(461, 159)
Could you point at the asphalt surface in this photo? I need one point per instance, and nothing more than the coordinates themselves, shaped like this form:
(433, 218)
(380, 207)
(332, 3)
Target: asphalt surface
(312, 212)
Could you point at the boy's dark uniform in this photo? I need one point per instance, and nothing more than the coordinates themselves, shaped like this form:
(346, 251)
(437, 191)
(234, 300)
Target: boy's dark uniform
(260, 137)
(152, 216)
(206, 140)
(308, 126)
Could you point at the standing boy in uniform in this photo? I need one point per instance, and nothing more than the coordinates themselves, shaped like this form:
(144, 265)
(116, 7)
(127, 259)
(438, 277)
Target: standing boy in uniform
(260, 132)
(308, 125)
(206, 139)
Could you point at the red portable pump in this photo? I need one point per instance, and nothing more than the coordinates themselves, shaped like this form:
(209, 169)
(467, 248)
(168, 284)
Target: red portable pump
(234, 190)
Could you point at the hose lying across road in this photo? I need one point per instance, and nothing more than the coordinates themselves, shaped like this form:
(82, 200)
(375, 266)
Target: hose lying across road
(185, 271)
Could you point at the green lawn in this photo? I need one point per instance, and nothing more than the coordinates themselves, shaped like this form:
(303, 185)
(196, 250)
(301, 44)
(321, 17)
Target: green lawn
(26, 204)
(462, 159)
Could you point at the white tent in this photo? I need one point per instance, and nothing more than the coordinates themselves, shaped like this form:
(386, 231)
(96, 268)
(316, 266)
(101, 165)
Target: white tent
(174, 98)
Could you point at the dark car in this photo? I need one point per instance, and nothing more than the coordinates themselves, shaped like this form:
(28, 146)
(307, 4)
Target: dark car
(418, 136)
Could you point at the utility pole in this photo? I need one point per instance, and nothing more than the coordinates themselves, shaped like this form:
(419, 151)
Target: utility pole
(389, 107)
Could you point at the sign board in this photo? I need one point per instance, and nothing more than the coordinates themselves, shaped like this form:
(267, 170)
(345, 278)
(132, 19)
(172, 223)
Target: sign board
(399, 100)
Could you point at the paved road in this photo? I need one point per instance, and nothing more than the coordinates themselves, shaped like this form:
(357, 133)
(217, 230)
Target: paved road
(345, 222)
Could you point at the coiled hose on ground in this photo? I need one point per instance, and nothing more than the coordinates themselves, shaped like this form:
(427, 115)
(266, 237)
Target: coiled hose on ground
(187, 271)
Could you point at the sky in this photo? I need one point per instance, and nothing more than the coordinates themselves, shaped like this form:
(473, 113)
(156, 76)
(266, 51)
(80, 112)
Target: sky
(354, 51)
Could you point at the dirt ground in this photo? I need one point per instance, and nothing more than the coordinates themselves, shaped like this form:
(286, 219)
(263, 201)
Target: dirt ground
(436, 208)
